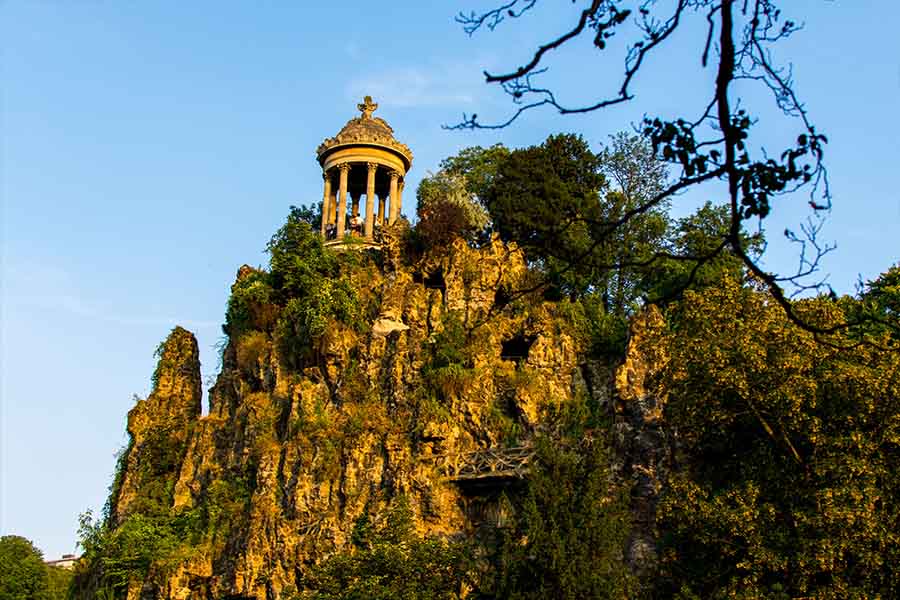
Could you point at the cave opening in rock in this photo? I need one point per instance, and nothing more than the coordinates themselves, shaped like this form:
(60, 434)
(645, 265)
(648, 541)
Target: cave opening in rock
(517, 347)
(501, 296)
(435, 280)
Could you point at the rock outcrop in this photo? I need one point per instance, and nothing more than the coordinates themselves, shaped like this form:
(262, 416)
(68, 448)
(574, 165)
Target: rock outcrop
(640, 437)
(160, 427)
(290, 457)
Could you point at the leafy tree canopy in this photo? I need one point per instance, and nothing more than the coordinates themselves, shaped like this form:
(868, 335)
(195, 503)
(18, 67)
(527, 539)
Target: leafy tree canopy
(478, 166)
(708, 144)
(788, 487)
(23, 575)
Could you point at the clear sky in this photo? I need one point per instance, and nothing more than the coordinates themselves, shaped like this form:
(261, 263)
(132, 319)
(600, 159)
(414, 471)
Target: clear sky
(151, 148)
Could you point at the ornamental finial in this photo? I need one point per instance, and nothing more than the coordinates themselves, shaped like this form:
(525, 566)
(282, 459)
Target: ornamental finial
(367, 107)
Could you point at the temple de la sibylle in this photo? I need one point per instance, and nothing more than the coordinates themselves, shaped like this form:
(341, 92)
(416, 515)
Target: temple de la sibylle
(364, 169)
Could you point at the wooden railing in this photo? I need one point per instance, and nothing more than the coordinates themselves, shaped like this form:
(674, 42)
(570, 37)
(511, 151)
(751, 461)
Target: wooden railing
(488, 463)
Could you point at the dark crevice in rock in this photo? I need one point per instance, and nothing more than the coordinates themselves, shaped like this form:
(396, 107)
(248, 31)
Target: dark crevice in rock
(517, 347)
(435, 280)
(501, 297)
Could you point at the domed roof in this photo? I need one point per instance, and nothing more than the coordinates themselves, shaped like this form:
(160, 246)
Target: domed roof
(365, 130)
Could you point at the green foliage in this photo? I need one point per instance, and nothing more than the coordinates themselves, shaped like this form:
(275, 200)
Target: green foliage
(58, 582)
(23, 575)
(449, 345)
(298, 260)
(884, 293)
(601, 333)
(114, 556)
(451, 201)
(696, 238)
(557, 202)
(879, 305)
(543, 198)
(624, 251)
(790, 488)
(251, 304)
(308, 283)
(449, 368)
(568, 531)
(633, 169)
(390, 562)
(478, 166)
(306, 288)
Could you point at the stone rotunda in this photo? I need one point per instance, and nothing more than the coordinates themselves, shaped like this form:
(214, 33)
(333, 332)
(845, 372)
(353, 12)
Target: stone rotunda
(362, 160)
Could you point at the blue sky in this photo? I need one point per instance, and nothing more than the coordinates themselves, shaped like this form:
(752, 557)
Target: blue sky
(151, 148)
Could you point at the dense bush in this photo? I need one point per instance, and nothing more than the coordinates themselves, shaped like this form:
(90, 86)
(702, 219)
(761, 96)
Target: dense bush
(305, 290)
(389, 561)
(251, 304)
(112, 557)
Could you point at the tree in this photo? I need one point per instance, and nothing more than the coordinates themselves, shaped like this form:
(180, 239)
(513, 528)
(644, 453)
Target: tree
(568, 529)
(451, 201)
(447, 208)
(23, 575)
(553, 199)
(787, 486)
(539, 198)
(58, 582)
(305, 279)
(708, 143)
(697, 234)
(636, 176)
(881, 297)
(478, 165)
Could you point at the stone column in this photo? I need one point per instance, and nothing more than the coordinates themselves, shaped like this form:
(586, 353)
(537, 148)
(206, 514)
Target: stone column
(354, 203)
(394, 198)
(381, 211)
(400, 185)
(326, 202)
(370, 201)
(342, 200)
(332, 208)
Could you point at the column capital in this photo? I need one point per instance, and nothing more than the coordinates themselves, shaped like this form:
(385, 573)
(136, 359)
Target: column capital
(372, 166)
(325, 175)
(394, 174)
(344, 166)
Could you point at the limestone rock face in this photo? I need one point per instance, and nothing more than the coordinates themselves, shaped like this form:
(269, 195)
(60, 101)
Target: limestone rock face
(160, 426)
(290, 458)
(641, 438)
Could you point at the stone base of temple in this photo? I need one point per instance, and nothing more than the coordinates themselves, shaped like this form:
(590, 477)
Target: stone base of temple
(352, 243)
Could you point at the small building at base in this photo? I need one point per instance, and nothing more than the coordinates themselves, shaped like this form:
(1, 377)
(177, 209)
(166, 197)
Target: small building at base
(364, 170)
(66, 562)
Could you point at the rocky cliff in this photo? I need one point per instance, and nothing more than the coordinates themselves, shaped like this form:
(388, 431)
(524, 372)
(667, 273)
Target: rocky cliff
(441, 361)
